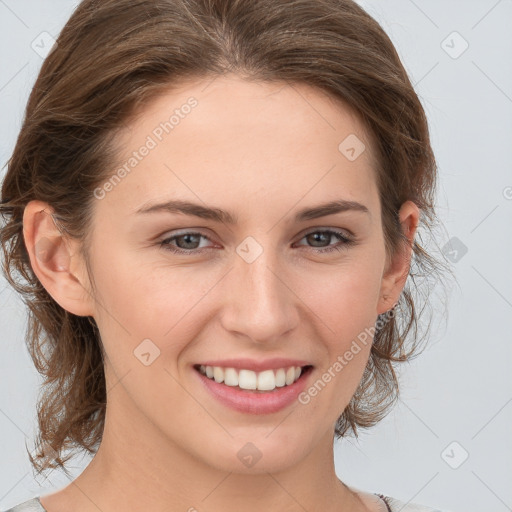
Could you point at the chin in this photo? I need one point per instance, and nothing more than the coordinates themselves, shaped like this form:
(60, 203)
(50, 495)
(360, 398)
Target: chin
(270, 450)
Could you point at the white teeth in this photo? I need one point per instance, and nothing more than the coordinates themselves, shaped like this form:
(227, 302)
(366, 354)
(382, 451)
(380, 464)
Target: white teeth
(218, 374)
(247, 379)
(266, 380)
(280, 378)
(230, 377)
(290, 375)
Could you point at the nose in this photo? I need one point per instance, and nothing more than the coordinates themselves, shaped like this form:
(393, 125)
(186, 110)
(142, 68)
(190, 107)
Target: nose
(258, 300)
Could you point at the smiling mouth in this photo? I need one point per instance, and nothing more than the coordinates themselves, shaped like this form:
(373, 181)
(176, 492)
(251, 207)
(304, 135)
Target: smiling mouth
(257, 382)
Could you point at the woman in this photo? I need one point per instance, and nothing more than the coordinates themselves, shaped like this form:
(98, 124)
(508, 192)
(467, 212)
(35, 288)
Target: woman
(214, 206)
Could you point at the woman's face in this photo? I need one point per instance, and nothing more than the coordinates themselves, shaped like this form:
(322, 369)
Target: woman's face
(263, 286)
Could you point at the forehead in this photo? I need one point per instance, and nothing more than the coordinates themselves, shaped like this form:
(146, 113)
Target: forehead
(230, 137)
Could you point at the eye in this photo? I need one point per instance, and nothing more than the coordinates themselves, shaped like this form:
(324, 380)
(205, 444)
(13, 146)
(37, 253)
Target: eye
(326, 235)
(187, 243)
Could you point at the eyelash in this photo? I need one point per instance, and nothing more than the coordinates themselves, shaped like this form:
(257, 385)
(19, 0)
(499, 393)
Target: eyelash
(345, 242)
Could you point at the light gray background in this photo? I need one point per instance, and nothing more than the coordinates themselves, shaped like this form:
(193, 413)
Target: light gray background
(459, 390)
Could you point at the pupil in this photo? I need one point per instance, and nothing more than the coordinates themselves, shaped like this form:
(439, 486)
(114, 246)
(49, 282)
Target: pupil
(316, 236)
(188, 237)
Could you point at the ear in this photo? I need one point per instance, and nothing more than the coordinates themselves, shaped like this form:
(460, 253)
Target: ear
(395, 275)
(56, 261)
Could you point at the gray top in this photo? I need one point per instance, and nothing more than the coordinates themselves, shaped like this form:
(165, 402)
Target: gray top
(33, 505)
(394, 505)
(401, 506)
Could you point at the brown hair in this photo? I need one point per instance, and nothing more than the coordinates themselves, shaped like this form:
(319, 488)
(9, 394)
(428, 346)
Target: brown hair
(112, 57)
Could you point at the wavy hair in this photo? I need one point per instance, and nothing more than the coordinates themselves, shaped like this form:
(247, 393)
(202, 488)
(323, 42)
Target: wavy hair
(114, 56)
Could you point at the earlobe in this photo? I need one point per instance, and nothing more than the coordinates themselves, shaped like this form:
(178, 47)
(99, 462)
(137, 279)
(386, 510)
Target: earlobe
(55, 260)
(396, 274)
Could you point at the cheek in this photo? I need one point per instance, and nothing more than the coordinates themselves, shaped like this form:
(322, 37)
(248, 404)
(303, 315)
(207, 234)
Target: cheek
(345, 308)
(344, 298)
(154, 301)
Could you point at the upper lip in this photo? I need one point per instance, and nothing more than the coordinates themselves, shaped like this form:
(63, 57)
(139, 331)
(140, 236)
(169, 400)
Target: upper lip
(255, 365)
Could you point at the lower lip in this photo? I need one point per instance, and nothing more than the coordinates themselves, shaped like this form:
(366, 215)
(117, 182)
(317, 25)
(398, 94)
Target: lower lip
(251, 402)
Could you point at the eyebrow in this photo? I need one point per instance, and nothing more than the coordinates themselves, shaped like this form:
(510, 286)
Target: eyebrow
(219, 215)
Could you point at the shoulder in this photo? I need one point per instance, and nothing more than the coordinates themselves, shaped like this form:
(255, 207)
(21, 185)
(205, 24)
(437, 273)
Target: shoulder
(401, 506)
(32, 505)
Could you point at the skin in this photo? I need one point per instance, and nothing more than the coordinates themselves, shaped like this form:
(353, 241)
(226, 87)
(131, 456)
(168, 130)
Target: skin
(262, 151)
